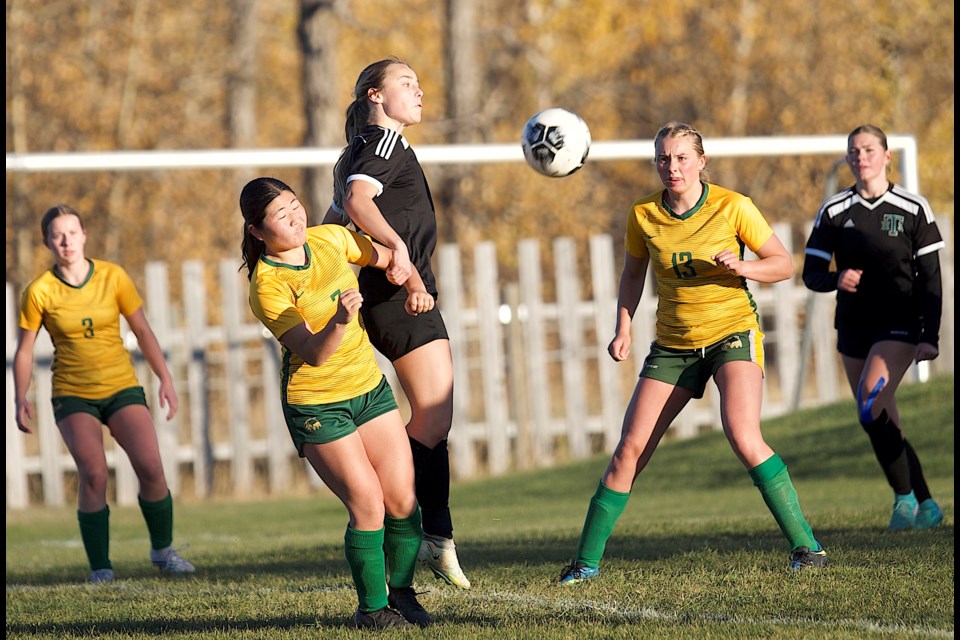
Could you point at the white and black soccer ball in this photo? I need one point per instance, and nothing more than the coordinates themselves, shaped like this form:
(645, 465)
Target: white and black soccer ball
(555, 142)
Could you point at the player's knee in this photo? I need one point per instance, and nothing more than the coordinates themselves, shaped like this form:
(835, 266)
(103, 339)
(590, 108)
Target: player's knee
(865, 402)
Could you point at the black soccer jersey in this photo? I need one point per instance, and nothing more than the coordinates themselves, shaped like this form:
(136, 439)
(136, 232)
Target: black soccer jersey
(385, 159)
(894, 239)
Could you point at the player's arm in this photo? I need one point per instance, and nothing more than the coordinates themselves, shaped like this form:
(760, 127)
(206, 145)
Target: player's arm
(359, 205)
(632, 281)
(334, 216)
(773, 264)
(22, 373)
(153, 354)
(418, 299)
(931, 304)
(316, 348)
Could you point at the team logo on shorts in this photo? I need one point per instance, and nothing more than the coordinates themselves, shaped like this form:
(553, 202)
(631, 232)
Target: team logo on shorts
(732, 343)
(312, 424)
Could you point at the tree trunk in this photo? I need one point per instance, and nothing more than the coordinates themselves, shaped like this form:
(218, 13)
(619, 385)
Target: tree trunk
(462, 87)
(317, 32)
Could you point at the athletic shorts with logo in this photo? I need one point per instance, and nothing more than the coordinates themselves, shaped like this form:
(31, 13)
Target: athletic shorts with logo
(692, 368)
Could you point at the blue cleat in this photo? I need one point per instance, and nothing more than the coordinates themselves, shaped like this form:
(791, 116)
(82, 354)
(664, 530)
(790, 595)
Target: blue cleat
(576, 572)
(929, 515)
(904, 512)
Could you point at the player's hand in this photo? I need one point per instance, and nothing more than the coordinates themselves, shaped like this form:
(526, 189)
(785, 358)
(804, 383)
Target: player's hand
(347, 306)
(926, 351)
(619, 348)
(399, 268)
(168, 398)
(849, 280)
(418, 302)
(728, 260)
(24, 416)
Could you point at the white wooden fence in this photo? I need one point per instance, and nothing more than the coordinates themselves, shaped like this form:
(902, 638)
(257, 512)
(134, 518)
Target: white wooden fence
(534, 384)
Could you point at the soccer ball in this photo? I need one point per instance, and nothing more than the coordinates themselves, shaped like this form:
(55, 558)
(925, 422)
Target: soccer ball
(555, 142)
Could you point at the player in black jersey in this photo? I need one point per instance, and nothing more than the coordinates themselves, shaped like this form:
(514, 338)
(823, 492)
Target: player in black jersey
(380, 187)
(885, 242)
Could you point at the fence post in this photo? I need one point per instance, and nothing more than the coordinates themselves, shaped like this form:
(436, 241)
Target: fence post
(450, 284)
(492, 360)
(52, 463)
(160, 316)
(604, 317)
(538, 391)
(238, 396)
(195, 339)
(18, 496)
(571, 344)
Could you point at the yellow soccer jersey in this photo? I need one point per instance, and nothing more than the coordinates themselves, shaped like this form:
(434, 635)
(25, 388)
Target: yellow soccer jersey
(283, 296)
(699, 302)
(89, 359)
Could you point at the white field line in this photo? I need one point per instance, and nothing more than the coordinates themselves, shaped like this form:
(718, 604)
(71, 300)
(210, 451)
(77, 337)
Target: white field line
(646, 613)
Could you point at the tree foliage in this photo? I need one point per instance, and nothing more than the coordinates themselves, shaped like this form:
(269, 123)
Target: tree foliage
(96, 75)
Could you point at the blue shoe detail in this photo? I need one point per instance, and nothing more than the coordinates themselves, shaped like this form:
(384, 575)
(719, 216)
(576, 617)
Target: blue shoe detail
(904, 512)
(929, 515)
(576, 572)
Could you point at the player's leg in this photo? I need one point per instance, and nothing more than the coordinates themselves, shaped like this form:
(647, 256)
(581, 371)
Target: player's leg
(344, 467)
(385, 441)
(653, 407)
(426, 375)
(83, 435)
(738, 373)
(131, 425)
(874, 389)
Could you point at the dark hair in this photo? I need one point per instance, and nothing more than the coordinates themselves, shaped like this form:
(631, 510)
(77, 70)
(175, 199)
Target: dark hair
(56, 212)
(254, 200)
(358, 117)
(676, 129)
(872, 130)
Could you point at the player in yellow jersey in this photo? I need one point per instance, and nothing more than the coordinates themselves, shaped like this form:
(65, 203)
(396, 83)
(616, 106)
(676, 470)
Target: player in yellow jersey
(79, 301)
(338, 406)
(692, 234)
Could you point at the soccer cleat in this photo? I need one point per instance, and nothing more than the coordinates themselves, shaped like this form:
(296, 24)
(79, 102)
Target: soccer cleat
(577, 572)
(169, 561)
(803, 558)
(385, 618)
(929, 515)
(440, 556)
(904, 512)
(404, 600)
(99, 576)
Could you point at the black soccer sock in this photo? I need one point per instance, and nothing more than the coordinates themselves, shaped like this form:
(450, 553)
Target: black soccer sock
(432, 470)
(889, 447)
(920, 489)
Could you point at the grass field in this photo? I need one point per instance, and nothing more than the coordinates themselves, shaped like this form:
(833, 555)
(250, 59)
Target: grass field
(695, 555)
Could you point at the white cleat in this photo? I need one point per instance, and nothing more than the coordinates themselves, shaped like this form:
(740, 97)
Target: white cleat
(169, 561)
(439, 554)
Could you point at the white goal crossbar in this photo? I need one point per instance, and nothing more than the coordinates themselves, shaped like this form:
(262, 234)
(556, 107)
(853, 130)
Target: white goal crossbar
(151, 160)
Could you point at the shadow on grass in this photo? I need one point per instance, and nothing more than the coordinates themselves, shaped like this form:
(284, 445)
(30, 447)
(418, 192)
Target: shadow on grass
(326, 565)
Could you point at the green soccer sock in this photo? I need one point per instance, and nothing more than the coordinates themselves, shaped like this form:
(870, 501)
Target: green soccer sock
(95, 533)
(159, 518)
(773, 480)
(401, 543)
(606, 505)
(364, 551)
